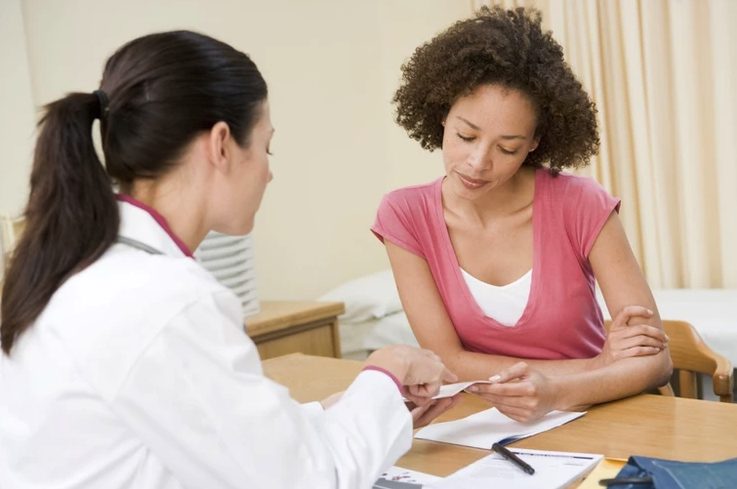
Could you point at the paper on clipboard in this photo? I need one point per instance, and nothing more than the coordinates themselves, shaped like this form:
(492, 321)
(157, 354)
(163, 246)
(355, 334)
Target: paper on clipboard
(553, 470)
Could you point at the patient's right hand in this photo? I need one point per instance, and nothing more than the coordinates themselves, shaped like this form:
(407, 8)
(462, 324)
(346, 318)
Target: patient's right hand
(520, 392)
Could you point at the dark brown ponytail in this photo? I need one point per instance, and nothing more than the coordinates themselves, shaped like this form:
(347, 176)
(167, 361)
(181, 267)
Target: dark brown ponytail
(160, 91)
(71, 216)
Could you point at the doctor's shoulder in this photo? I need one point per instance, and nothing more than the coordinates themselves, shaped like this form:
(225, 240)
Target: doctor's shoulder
(107, 316)
(141, 289)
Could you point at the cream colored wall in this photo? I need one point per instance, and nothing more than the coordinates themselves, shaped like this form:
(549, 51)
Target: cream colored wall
(16, 110)
(331, 65)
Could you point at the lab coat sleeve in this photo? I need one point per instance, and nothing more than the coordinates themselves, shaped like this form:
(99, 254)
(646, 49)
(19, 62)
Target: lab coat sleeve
(312, 409)
(197, 399)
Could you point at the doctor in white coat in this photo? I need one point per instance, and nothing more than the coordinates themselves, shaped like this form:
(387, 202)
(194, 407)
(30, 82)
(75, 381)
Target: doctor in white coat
(124, 362)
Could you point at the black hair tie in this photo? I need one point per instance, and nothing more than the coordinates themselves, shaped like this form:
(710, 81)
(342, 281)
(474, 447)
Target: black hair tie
(103, 103)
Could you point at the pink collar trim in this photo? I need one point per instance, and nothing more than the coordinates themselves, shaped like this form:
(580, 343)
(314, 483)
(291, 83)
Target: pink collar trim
(160, 220)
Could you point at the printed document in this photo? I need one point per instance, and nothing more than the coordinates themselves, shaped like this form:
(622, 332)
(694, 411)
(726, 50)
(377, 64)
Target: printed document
(553, 470)
(482, 429)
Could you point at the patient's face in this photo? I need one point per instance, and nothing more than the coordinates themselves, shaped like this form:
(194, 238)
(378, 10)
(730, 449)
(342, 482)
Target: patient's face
(487, 137)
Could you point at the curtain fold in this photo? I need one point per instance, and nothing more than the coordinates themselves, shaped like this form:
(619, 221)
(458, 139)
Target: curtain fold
(663, 74)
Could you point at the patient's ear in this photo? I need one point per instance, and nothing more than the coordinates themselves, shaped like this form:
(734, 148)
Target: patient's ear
(535, 143)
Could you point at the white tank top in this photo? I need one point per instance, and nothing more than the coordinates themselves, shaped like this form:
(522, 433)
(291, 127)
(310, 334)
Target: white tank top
(505, 303)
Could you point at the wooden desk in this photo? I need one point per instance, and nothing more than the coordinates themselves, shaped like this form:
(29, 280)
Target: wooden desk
(283, 327)
(657, 426)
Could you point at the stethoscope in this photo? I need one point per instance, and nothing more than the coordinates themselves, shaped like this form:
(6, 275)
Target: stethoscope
(134, 243)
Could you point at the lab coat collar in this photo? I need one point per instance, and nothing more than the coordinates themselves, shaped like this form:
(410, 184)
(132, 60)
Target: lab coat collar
(143, 223)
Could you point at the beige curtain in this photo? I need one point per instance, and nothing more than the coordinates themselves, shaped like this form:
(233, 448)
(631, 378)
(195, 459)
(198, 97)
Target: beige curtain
(663, 74)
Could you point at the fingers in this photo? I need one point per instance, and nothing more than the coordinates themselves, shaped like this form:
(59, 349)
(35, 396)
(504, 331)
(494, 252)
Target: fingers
(516, 371)
(522, 415)
(629, 336)
(636, 340)
(638, 351)
(515, 400)
(418, 401)
(644, 330)
(511, 389)
(423, 415)
(426, 374)
(629, 312)
(425, 392)
(420, 394)
(633, 339)
(420, 371)
(520, 392)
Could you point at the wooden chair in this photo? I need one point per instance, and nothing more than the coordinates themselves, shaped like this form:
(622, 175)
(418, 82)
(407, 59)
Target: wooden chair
(10, 231)
(692, 356)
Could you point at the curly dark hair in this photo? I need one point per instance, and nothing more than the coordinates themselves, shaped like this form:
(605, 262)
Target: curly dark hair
(506, 47)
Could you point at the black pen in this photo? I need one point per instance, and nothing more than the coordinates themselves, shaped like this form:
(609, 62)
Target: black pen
(504, 452)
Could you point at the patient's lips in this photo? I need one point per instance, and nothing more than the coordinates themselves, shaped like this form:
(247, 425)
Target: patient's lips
(471, 183)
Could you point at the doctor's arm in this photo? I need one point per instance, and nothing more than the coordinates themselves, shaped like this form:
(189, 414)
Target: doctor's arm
(197, 400)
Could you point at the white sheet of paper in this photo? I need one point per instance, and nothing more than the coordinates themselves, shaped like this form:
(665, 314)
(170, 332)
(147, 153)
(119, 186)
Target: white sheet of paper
(482, 429)
(553, 470)
(449, 390)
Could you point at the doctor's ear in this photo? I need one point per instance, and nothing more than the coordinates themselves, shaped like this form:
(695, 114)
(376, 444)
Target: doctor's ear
(219, 142)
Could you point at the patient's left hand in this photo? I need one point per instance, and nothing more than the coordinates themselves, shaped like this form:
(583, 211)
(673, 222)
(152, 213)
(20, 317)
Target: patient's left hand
(423, 415)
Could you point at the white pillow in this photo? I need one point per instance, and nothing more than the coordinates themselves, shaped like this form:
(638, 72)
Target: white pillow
(393, 329)
(370, 297)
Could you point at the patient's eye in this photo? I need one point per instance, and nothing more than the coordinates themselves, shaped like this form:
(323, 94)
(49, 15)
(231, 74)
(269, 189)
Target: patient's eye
(507, 151)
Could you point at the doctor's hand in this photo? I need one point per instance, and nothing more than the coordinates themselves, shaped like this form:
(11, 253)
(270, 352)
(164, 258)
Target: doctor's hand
(421, 372)
(331, 399)
(519, 392)
(630, 336)
(424, 415)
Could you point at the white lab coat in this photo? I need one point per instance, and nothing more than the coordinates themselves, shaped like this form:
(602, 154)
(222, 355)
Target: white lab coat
(138, 375)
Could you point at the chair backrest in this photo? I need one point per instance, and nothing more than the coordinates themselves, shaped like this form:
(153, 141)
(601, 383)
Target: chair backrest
(10, 231)
(691, 355)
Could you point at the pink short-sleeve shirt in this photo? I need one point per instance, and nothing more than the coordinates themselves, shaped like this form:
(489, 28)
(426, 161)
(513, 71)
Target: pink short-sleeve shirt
(562, 318)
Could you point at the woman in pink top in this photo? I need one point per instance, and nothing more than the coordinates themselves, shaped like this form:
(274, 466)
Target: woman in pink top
(496, 95)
